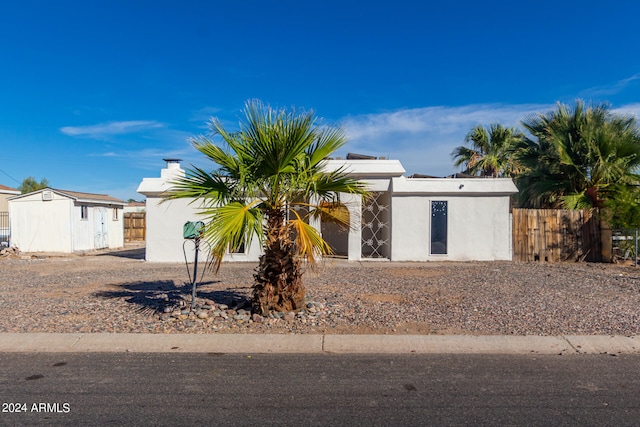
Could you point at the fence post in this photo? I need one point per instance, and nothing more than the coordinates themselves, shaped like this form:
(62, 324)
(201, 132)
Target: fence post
(635, 253)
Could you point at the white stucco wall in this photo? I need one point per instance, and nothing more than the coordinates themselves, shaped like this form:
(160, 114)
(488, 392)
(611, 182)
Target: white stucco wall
(478, 215)
(478, 220)
(165, 241)
(165, 222)
(478, 228)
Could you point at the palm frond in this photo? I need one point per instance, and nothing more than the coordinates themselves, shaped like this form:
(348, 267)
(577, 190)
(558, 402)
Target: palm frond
(309, 242)
(231, 225)
(200, 184)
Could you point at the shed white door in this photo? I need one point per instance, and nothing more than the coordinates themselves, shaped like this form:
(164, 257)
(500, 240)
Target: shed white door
(100, 218)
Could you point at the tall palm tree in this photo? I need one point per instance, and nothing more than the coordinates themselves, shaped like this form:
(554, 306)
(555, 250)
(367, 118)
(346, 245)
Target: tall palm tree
(490, 153)
(270, 181)
(578, 153)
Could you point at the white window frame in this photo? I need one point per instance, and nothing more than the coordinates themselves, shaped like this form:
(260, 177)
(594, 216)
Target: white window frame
(84, 212)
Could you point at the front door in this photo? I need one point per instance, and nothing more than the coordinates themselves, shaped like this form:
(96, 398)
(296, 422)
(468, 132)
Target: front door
(100, 218)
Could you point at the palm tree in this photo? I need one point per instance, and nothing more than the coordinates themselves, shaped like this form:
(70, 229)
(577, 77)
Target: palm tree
(490, 153)
(270, 181)
(578, 154)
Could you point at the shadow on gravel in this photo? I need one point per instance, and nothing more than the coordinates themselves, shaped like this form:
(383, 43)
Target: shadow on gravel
(160, 295)
(137, 253)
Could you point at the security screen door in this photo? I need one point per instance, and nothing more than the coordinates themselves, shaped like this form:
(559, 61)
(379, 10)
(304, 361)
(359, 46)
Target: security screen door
(439, 212)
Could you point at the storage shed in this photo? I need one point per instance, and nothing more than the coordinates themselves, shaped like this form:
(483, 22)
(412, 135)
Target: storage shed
(405, 219)
(52, 220)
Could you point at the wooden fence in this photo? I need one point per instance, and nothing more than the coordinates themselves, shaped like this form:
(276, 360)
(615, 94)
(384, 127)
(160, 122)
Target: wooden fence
(556, 235)
(135, 227)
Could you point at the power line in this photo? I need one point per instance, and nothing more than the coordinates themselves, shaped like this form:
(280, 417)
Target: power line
(10, 176)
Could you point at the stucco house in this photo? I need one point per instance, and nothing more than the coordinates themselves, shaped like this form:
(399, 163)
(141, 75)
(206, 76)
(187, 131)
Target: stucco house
(406, 219)
(135, 207)
(52, 220)
(5, 193)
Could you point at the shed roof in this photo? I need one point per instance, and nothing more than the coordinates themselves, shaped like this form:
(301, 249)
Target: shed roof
(81, 197)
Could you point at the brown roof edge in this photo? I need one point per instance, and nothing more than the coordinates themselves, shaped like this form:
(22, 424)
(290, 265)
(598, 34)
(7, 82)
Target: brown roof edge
(89, 196)
(4, 187)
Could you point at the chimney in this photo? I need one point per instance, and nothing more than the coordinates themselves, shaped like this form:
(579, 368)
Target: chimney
(173, 163)
(172, 170)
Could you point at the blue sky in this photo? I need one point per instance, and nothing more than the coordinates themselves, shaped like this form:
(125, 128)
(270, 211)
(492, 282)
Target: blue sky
(93, 94)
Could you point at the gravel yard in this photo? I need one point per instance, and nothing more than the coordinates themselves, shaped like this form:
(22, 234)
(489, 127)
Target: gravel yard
(118, 292)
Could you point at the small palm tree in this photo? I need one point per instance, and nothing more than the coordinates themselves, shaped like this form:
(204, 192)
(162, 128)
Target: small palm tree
(491, 151)
(270, 181)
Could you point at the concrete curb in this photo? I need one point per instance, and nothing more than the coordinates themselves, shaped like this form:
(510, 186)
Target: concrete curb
(599, 344)
(456, 344)
(334, 344)
(160, 343)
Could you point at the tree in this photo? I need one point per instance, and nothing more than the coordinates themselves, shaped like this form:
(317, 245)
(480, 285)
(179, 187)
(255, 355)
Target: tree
(269, 183)
(622, 209)
(490, 153)
(578, 154)
(30, 184)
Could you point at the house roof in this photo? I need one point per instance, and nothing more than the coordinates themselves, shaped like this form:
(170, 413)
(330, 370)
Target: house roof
(8, 190)
(81, 197)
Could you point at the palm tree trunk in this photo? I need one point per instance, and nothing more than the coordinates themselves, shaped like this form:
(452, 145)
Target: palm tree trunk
(278, 279)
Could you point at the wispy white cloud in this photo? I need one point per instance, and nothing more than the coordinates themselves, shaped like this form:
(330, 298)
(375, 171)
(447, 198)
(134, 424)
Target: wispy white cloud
(629, 109)
(111, 128)
(423, 138)
(204, 114)
(610, 89)
(151, 158)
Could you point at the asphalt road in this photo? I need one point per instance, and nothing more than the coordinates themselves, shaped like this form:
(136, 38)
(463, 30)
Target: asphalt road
(318, 390)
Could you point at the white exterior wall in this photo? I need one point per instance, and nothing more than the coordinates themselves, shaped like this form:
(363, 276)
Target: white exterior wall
(478, 219)
(478, 228)
(165, 223)
(82, 230)
(165, 241)
(39, 228)
(115, 227)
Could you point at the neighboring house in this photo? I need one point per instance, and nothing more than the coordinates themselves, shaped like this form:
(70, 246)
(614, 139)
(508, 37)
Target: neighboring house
(405, 219)
(52, 220)
(135, 207)
(5, 193)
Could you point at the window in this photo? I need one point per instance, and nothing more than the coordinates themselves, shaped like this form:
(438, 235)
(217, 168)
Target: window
(439, 227)
(84, 212)
(115, 214)
(240, 250)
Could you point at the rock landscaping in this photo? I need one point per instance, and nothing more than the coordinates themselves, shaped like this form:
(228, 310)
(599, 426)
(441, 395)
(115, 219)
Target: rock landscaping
(108, 292)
